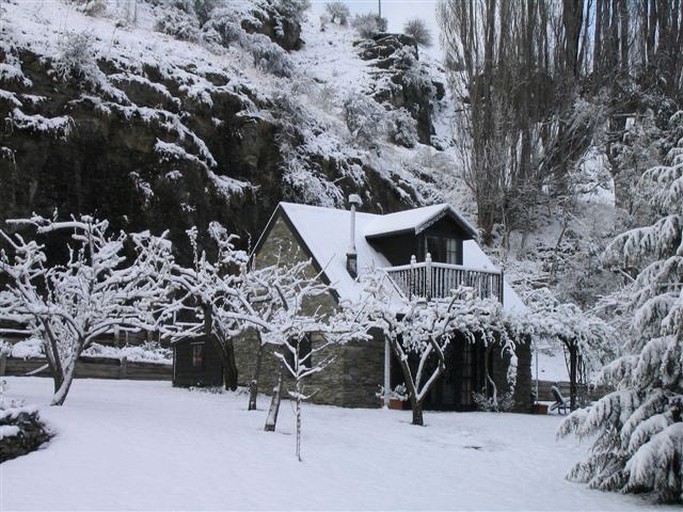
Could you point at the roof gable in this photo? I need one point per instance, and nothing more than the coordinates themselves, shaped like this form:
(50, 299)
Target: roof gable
(416, 221)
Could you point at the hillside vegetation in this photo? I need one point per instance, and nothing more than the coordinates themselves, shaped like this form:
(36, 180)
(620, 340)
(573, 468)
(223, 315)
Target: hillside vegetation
(158, 114)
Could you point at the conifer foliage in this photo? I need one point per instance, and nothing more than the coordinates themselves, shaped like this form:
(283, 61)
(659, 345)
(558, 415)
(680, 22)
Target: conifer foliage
(639, 428)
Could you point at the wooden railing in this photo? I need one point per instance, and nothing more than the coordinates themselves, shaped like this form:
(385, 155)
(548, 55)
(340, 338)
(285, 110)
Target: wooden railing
(438, 280)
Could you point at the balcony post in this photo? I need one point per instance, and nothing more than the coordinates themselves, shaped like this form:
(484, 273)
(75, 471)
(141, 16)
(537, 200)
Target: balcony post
(411, 277)
(428, 276)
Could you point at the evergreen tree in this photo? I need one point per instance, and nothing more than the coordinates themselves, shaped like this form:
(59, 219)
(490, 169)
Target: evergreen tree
(639, 429)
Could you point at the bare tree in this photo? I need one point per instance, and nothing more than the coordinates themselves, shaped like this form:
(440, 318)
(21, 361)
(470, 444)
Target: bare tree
(210, 300)
(419, 332)
(96, 290)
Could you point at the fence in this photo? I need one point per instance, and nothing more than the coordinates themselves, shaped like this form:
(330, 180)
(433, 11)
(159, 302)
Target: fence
(91, 368)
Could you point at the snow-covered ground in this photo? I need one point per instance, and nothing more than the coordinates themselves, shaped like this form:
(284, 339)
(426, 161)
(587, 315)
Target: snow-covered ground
(125, 445)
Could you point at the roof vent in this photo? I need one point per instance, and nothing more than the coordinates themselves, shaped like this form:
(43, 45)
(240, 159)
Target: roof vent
(351, 255)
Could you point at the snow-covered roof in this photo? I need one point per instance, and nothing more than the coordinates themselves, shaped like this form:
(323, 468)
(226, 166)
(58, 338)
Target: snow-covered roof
(415, 221)
(326, 232)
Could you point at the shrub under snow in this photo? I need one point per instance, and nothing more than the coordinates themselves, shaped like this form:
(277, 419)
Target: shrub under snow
(368, 25)
(21, 430)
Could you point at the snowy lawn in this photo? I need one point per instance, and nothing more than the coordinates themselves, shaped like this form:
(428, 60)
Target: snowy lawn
(124, 445)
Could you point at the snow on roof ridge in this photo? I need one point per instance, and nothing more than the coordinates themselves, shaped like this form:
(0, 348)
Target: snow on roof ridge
(416, 220)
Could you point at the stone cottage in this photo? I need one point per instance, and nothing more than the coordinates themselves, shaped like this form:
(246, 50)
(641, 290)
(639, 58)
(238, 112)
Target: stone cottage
(424, 251)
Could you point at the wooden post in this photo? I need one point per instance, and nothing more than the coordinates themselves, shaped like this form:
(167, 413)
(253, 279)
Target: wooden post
(428, 276)
(411, 283)
(3, 362)
(502, 285)
(387, 372)
(123, 369)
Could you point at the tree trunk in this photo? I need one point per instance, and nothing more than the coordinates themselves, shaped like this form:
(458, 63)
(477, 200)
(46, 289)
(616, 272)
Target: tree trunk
(573, 363)
(225, 348)
(230, 374)
(62, 389)
(253, 385)
(418, 419)
(271, 420)
(298, 418)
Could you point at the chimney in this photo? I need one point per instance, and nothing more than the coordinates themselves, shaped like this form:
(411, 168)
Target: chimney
(351, 255)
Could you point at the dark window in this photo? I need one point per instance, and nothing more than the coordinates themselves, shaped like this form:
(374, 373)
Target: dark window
(445, 249)
(302, 347)
(197, 355)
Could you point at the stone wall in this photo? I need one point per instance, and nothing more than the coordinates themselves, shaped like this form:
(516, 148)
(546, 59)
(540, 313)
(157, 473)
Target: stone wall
(357, 370)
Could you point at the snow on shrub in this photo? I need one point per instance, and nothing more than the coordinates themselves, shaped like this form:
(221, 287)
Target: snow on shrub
(179, 24)
(402, 128)
(148, 352)
(77, 59)
(91, 7)
(293, 9)
(364, 118)
(310, 187)
(58, 127)
(269, 57)
(21, 429)
(30, 348)
(368, 25)
(417, 29)
(223, 28)
(338, 12)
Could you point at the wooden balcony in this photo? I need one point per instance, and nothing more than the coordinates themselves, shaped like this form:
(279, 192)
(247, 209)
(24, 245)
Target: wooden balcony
(433, 280)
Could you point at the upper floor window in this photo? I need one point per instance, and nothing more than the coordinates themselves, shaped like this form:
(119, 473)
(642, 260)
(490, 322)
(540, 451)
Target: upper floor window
(445, 249)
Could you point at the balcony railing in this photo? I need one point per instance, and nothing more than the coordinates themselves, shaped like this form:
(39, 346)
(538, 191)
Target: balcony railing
(438, 280)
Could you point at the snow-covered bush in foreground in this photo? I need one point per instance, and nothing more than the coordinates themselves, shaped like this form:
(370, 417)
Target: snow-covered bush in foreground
(639, 427)
(21, 430)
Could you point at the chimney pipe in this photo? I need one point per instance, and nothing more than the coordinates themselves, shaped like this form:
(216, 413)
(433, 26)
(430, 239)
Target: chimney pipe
(351, 255)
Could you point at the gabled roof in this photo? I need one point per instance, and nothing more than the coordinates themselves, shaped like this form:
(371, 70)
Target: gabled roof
(415, 221)
(324, 234)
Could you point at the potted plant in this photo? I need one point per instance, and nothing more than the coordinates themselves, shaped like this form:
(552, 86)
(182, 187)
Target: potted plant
(398, 397)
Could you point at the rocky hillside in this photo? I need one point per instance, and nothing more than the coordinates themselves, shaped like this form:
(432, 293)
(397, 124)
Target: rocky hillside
(165, 118)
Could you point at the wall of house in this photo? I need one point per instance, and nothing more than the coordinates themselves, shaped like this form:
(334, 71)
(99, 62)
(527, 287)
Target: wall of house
(358, 367)
(351, 380)
(398, 249)
(185, 374)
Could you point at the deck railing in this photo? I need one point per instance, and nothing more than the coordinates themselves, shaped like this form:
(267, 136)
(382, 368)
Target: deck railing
(438, 280)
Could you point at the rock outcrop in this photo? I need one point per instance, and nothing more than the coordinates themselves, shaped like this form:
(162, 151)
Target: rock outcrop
(401, 81)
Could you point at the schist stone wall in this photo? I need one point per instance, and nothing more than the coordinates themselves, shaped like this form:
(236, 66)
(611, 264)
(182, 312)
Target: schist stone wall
(354, 377)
